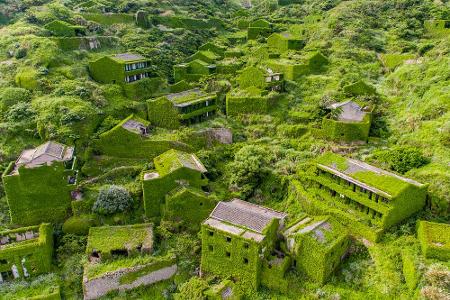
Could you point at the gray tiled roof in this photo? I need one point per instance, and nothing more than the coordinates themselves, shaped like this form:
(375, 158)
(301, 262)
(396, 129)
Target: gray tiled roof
(128, 56)
(46, 153)
(245, 214)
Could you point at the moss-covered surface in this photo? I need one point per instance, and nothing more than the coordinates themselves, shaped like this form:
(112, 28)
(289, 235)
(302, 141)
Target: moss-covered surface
(434, 239)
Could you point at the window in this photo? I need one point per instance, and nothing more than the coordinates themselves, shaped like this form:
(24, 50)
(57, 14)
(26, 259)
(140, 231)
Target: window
(245, 260)
(3, 261)
(210, 248)
(210, 233)
(228, 254)
(228, 239)
(246, 245)
(201, 203)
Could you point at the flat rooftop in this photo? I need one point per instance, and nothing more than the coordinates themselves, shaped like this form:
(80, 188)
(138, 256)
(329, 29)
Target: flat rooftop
(172, 160)
(128, 57)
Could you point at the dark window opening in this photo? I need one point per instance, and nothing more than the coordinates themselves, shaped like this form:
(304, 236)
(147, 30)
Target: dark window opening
(119, 252)
(201, 203)
(245, 260)
(3, 261)
(210, 233)
(228, 239)
(295, 262)
(228, 254)
(95, 254)
(210, 248)
(246, 245)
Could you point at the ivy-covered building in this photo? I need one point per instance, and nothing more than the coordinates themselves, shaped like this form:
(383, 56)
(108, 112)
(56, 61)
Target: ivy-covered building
(131, 138)
(63, 29)
(317, 246)
(258, 28)
(367, 199)
(310, 63)
(25, 252)
(193, 70)
(434, 239)
(183, 108)
(121, 68)
(437, 27)
(163, 186)
(236, 240)
(113, 263)
(39, 182)
(285, 41)
(250, 101)
(261, 78)
(347, 121)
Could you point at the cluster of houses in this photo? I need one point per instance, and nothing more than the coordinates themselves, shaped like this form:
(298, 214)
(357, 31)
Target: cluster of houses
(252, 244)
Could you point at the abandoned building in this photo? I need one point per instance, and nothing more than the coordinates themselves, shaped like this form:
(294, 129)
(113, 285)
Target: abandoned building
(347, 121)
(183, 108)
(174, 169)
(237, 237)
(313, 62)
(120, 68)
(193, 70)
(285, 41)
(367, 199)
(259, 28)
(25, 252)
(131, 138)
(262, 78)
(112, 263)
(317, 246)
(38, 184)
(63, 29)
(434, 240)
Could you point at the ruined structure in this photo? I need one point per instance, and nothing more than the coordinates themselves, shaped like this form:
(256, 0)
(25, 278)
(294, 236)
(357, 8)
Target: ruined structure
(25, 252)
(112, 264)
(347, 122)
(183, 108)
(434, 239)
(176, 172)
(367, 199)
(120, 68)
(39, 182)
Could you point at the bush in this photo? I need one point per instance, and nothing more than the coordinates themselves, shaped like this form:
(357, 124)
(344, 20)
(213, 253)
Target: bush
(12, 95)
(401, 158)
(248, 169)
(78, 225)
(112, 199)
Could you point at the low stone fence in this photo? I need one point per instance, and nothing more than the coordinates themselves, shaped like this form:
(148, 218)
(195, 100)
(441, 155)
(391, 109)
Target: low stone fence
(112, 281)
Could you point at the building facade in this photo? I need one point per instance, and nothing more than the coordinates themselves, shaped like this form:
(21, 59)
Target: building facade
(25, 252)
(121, 68)
(367, 199)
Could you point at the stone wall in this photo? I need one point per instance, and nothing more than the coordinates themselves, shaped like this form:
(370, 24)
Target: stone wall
(98, 287)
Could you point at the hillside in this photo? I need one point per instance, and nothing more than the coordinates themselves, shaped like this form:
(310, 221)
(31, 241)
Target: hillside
(248, 99)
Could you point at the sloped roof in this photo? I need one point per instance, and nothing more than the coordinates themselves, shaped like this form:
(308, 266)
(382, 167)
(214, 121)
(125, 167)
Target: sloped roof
(351, 111)
(374, 179)
(45, 153)
(245, 214)
(173, 160)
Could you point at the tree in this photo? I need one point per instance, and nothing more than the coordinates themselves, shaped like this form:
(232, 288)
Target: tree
(112, 199)
(248, 169)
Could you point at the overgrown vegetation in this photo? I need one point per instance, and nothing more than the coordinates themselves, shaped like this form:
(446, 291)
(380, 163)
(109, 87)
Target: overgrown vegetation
(390, 56)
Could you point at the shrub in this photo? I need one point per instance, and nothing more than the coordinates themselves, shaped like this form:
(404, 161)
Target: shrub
(401, 158)
(248, 169)
(112, 199)
(78, 225)
(192, 289)
(12, 95)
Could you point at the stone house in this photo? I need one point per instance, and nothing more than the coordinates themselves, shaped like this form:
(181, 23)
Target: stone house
(347, 121)
(121, 68)
(38, 184)
(237, 238)
(25, 252)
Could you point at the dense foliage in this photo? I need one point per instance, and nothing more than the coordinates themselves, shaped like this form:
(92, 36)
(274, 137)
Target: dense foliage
(388, 56)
